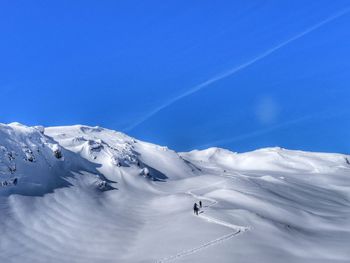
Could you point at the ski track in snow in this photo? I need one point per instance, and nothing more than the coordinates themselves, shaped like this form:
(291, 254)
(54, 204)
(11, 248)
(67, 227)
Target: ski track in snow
(237, 229)
(199, 248)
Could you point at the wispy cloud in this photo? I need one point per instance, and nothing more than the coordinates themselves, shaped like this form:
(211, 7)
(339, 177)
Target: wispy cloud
(236, 69)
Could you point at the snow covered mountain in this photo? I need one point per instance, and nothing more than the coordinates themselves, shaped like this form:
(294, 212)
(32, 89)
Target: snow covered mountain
(88, 194)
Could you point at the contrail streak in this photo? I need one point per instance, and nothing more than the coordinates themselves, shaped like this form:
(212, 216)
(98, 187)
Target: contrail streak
(235, 69)
(322, 115)
(256, 133)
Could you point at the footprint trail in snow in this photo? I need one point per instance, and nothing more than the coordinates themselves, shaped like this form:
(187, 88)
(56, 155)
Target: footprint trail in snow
(237, 229)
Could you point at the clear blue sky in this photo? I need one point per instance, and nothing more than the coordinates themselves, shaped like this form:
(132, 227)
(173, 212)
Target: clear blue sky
(187, 74)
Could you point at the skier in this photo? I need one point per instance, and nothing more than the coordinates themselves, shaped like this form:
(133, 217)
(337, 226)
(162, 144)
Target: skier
(200, 204)
(195, 209)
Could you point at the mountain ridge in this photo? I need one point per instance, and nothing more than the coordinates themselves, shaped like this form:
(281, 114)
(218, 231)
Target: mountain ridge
(89, 194)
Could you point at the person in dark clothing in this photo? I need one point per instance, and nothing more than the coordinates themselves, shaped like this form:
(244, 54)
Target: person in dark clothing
(195, 209)
(200, 204)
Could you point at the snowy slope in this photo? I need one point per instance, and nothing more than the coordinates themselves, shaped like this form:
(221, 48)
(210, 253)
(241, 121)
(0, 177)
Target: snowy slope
(88, 194)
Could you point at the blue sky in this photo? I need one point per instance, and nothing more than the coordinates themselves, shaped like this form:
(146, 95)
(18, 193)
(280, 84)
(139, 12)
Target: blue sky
(187, 74)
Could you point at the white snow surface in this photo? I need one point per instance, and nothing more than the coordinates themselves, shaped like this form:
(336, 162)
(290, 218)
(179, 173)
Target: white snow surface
(89, 194)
